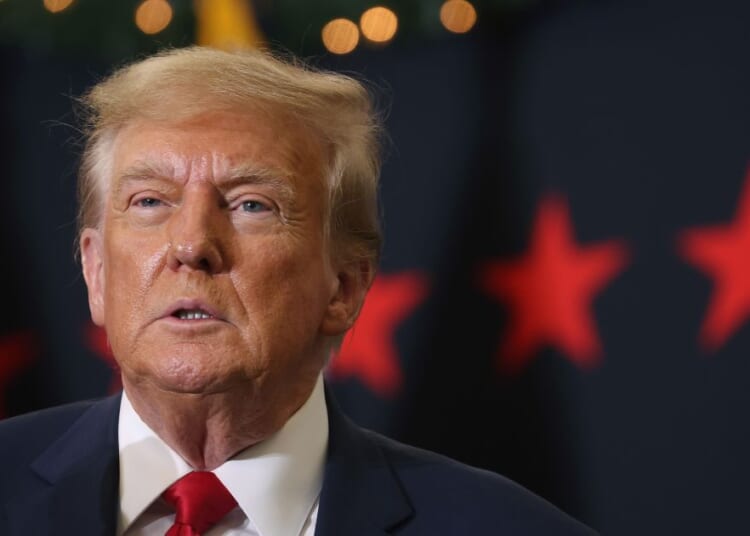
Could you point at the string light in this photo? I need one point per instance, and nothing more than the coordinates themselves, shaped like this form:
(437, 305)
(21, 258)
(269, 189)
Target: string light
(458, 16)
(152, 16)
(378, 24)
(340, 36)
(55, 6)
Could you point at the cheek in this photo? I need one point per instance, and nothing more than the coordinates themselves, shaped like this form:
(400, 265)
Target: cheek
(132, 269)
(130, 273)
(284, 286)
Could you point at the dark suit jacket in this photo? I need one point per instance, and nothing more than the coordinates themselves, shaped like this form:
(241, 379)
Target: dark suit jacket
(59, 476)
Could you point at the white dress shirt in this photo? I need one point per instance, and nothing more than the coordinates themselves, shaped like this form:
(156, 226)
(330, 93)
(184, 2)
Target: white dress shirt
(276, 483)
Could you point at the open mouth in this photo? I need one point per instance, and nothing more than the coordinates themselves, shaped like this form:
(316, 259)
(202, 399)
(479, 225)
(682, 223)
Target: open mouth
(192, 314)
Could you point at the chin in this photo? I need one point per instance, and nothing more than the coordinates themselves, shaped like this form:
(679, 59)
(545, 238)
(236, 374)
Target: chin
(189, 376)
(192, 385)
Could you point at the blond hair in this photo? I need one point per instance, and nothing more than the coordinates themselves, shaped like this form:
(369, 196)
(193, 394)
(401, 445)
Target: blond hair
(183, 83)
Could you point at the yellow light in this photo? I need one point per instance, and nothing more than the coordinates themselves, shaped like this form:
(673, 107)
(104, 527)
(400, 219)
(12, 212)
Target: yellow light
(152, 16)
(227, 24)
(458, 16)
(378, 24)
(55, 6)
(340, 36)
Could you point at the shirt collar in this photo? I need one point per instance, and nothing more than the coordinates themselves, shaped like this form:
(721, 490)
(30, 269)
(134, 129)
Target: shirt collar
(275, 482)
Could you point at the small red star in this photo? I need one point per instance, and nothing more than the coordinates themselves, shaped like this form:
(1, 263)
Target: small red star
(723, 253)
(369, 349)
(97, 342)
(17, 351)
(551, 288)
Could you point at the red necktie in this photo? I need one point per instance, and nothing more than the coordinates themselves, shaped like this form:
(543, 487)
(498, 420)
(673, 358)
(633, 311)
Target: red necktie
(200, 501)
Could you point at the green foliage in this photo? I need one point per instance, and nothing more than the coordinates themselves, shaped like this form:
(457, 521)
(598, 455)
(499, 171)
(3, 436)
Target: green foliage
(104, 29)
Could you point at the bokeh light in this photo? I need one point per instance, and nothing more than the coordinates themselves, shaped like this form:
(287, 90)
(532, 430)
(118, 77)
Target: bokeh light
(340, 36)
(378, 24)
(152, 16)
(458, 16)
(55, 6)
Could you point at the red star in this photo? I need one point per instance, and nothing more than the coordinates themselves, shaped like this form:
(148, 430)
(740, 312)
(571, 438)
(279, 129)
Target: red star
(16, 352)
(723, 253)
(97, 342)
(369, 350)
(551, 288)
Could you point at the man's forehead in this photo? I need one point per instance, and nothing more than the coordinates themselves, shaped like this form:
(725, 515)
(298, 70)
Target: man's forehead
(222, 149)
(216, 168)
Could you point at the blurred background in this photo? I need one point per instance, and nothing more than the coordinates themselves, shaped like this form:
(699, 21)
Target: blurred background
(564, 295)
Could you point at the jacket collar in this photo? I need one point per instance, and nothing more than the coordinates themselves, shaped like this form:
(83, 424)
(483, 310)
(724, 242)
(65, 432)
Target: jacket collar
(79, 473)
(361, 493)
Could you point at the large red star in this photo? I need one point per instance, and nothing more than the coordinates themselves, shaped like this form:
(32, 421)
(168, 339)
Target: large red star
(97, 342)
(723, 253)
(369, 350)
(550, 290)
(16, 352)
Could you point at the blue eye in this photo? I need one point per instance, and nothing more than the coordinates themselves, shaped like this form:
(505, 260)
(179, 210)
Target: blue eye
(252, 205)
(148, 202)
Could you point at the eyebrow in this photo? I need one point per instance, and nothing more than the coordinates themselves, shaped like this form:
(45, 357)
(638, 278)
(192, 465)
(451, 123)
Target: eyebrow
(244, 174)
(278, 180)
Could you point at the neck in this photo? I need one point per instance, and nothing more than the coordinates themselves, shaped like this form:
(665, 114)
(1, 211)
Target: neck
(208, 429)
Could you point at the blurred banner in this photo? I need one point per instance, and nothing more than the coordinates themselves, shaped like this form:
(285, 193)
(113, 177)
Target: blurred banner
(564, 295)
(226, 24)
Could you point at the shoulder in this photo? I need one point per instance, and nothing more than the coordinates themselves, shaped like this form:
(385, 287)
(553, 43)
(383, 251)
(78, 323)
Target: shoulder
(55, 460)
(468, 500)
(24, 438)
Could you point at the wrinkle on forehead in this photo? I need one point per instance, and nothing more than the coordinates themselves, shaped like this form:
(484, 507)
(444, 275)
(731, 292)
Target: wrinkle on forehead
(293, 144)
(245, 173)
(182, 170)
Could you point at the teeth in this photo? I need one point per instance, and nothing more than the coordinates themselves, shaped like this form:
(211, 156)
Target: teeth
(196, 314)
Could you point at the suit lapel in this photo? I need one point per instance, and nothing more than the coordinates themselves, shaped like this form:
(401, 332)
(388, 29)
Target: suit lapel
(361, 494)
(78, 490)
(79, 478)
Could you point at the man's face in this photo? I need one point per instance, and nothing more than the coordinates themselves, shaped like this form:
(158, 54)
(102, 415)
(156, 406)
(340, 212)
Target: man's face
(211, 270)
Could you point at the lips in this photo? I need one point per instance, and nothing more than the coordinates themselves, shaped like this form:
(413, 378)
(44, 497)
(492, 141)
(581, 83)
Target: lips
(192, 309)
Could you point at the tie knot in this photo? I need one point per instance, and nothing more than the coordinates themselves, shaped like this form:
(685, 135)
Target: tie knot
(200, 500)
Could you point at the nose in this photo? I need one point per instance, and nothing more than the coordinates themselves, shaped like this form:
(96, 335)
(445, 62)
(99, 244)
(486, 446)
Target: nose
(195, 233)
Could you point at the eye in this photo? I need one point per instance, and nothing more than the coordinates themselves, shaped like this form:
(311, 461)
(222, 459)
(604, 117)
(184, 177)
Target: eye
(148, 202)
(253, 205)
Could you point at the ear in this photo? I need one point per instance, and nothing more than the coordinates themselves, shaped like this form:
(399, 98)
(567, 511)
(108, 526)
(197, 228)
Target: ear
(348, 295)
(92, 261)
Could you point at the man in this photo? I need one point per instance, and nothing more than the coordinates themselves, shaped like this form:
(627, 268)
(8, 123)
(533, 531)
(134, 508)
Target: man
(228, 236)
